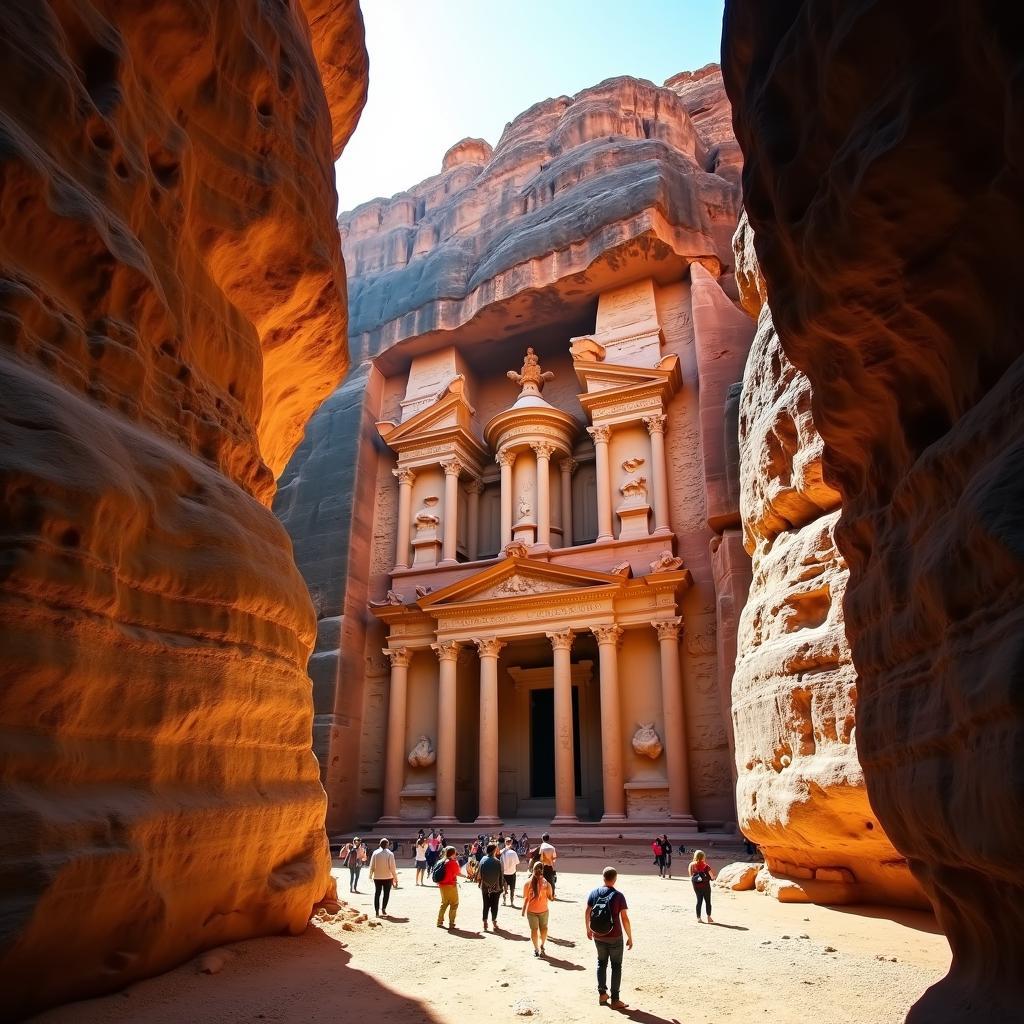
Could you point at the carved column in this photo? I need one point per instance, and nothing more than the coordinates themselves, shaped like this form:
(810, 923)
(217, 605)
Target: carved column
(505, 458)
(565, 775)
(452, 468)
(447, 652)
(601, 436)
(405, 479)
(676, 754)
(543, 452)
(568, 467)
(608, 638)
(488, 773)
(474, 489)
(659, 473)
(394, 751)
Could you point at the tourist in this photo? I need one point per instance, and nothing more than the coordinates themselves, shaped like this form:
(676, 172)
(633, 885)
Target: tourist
(606, 919)
(524, 845)
(471, 867)
(383, 874)
(547, 855)
(659, 856)
(421, 857)
(666, 853)
(448, 885)
(509, 864)
(433, 850)
(353, 856)
(491, 882)
(701, 876)
(536, 893)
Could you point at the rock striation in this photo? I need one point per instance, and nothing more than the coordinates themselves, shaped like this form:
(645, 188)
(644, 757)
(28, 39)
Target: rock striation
(173, 309)
(890, 253)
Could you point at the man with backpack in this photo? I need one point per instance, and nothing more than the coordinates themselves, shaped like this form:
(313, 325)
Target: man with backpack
(445, 875)
(606, 919)
(492, 884)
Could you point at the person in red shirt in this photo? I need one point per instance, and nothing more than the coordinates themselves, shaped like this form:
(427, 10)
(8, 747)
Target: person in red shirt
(449, 889)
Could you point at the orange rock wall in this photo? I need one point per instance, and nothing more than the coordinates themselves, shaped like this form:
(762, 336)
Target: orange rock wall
(172, 309)
(883, 179)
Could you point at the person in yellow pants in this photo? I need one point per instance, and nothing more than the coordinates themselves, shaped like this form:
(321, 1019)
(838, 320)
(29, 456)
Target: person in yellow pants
(449, 888)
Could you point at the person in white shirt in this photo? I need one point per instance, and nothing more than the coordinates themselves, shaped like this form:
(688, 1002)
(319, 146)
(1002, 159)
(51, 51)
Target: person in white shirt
(547, 855)
(384, 873)
(509, 863)
(421, 857)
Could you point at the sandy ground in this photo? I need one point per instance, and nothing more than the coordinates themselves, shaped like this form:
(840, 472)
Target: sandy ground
(761, 961)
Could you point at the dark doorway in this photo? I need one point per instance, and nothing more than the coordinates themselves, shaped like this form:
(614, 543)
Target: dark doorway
(542, 743)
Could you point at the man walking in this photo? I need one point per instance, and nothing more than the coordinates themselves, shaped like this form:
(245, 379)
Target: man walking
(491, 882)
(606, 919)
(509, 863)
(547, 855)
(384, 874)
(449, 887)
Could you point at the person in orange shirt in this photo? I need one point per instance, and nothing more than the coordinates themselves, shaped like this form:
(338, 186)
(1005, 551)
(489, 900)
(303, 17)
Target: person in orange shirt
(536, 894)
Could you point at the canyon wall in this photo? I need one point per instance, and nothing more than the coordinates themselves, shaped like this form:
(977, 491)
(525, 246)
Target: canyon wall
(173, 309)
(800, 790)
(884, 181)
(503, 247)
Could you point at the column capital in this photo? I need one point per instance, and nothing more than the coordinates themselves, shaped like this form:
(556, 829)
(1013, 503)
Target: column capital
(542, 449)
(568, 465)
(447, 650)
(608, 634)
(452, 467)
(475, 486)
(399, 656)
(601, 434)
(561, 640)
(669, 629)
(489, 648)
(655, 423)
(404, 475)
(505, 457)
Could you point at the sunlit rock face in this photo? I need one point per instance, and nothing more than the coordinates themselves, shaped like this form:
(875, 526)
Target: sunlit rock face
(800, 792)
(173, 309)
(891, 256)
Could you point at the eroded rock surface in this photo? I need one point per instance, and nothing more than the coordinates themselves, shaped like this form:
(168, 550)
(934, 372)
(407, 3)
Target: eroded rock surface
(173, 309)
(891, 256)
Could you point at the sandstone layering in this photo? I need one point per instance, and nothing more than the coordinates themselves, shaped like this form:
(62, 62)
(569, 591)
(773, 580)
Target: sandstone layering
(173, 303)
(883, 180)
(800, 793)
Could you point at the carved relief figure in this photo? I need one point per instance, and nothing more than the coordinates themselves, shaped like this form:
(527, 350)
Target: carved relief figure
(635, 489)
(531, 377)
(524, 506)
(666, 562)
(516, 549)
(646, 741)
(632, 465)
(426, 519)
(423, 754)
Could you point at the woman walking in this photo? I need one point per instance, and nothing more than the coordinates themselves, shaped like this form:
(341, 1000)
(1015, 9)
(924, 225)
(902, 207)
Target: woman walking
(421, 857)
(536, 894)
(666, 853)
(701, 876)
(659, 856)
(353, 856)
(384, 874)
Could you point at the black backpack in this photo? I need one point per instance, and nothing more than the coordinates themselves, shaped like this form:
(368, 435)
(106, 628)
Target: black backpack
(437, 875)
(701, 878)
(602, 920)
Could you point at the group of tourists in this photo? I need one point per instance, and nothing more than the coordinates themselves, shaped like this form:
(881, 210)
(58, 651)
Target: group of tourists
(494, 870)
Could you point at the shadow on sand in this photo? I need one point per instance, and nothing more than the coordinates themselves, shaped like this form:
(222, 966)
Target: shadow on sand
(920, 920)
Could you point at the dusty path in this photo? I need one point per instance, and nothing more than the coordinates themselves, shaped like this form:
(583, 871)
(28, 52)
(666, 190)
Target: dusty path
(763, 961)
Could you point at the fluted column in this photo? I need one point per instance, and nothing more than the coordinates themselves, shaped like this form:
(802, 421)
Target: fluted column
(568, 467)
(601, 436)
(505, 458)
(447, 652)
(452, 468)
(608, 638)
(473, 489)
(405, 479)
(676, 755)
(659, 472)
(565, 775)
(487, 776)
(394, 750)
(543, 452)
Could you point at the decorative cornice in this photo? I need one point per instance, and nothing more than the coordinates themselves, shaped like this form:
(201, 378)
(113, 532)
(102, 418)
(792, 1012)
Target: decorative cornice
(601, 434)
(561, 641)
(447, 650)
(489, 648)
(399, 656)
(669, 629)
(655, 424)
(505, 457)
(404, 475)
(608, 634)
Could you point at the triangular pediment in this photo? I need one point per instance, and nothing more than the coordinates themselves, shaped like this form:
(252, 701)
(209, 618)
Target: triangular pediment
(517, 578)
(609, 376)
(451, 411)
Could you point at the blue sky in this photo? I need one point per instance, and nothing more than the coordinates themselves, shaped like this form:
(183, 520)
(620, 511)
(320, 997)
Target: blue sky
(441, 70)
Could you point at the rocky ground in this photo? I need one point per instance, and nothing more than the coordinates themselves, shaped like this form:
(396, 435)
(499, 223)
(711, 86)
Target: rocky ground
(762, 960)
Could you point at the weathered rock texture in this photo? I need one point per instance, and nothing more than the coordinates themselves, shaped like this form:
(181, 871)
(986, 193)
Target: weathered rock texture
(581, 194)
(173, 309)
(884, 182)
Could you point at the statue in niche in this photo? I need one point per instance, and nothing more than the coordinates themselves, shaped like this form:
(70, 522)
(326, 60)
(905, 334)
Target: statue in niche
(423, 754)
(531, 377)
(426, 519)
(646, 741)
(524, 506)
(634, 489)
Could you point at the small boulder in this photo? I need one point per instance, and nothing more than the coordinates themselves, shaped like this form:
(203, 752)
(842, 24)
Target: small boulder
(739, 877)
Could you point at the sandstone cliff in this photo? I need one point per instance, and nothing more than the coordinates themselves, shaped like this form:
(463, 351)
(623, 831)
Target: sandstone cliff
(883, 179)
(173, 309)
(800, 791)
